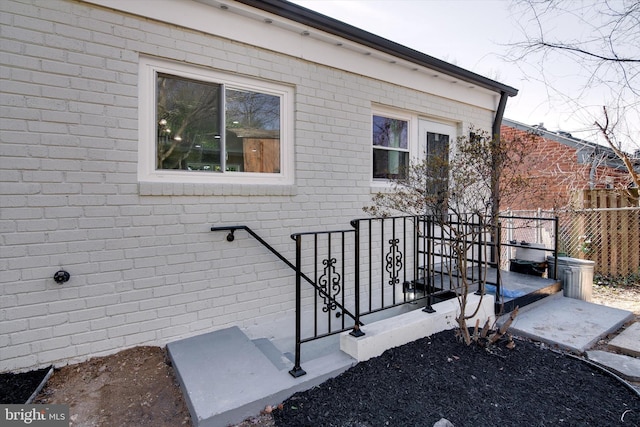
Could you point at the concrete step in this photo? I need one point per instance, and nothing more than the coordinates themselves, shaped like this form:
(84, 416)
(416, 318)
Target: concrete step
(280, 361)
(226, 377)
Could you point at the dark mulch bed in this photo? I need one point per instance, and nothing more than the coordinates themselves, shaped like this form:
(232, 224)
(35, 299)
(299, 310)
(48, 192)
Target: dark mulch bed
(18, 388)
(438, 377)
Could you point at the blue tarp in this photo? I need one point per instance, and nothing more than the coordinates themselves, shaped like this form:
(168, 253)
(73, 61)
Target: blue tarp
(507, 293)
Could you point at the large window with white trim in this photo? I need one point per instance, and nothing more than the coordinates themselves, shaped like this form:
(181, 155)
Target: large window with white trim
(199, 125)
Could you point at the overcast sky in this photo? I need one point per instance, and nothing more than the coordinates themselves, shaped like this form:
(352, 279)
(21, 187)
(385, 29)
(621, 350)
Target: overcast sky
(473, 34)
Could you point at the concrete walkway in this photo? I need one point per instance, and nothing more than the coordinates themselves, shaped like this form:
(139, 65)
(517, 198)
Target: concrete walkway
(623, 356)
(576, 326)
(227, 377)
(568, 323)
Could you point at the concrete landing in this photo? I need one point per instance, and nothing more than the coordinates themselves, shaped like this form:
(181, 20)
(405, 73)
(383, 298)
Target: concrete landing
(569, 323)
(226, 377)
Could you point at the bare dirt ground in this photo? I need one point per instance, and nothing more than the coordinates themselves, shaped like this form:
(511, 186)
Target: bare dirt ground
(137, 387)
(134, 387)
(623, 297)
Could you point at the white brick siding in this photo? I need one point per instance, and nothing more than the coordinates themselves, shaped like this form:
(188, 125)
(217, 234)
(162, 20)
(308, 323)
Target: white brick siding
(145, 269)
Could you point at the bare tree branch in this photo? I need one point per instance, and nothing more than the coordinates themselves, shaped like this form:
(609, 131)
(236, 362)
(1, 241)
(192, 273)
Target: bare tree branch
(607, 131)
(603, 41)
(548, 45)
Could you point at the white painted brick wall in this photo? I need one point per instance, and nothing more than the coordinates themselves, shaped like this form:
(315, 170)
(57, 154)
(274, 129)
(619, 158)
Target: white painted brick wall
(145, 269)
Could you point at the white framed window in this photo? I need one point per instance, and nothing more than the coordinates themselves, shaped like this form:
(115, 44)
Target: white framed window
(393, 140)
(400, 138)
(203, 126)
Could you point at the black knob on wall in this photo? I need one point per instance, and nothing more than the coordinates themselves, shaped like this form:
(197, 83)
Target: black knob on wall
(61, 277)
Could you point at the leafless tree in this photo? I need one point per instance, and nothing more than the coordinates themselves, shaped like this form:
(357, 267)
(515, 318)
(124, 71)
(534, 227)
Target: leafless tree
(457, 187)
(603, 39)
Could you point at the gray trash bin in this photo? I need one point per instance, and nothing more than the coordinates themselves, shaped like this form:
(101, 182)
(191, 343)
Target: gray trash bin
(576, 276)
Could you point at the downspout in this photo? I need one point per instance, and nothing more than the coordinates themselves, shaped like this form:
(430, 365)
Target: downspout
(495, 179)
(497, 121)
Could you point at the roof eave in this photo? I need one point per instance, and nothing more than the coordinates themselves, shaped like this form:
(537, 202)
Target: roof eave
(338, 28)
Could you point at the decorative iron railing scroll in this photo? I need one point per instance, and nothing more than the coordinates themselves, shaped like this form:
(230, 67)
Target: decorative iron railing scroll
(394, 262)
(330, 283)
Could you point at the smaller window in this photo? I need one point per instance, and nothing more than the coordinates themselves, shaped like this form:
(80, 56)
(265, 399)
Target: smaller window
(390, 147)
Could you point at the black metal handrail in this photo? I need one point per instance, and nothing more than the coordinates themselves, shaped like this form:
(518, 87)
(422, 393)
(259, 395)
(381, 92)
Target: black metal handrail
(330, 300)
(386, 270)
(382, 263)
(326, 285)
(231, 238)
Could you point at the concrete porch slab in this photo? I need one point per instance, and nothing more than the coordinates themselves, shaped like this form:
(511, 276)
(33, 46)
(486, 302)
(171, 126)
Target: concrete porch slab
(225, 377)
(569, 323)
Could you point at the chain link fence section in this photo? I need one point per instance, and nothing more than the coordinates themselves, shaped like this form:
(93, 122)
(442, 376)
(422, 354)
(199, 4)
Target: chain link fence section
(609, 236)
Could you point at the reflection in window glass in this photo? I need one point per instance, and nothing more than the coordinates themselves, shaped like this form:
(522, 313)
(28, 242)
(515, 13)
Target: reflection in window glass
(390, 132)
(188, 124)
(253, 131)
(389, 164)
(438, 156)
(438, 161)
(391, 148)
(190, 121)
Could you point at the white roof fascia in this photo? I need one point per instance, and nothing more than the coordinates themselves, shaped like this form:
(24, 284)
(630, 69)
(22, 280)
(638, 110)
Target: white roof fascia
(231, 20)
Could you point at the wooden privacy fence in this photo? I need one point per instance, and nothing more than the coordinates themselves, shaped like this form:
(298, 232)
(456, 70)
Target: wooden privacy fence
(605, 199)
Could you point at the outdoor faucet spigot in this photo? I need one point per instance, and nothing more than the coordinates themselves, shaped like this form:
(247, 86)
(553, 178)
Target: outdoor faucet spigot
(61, 277)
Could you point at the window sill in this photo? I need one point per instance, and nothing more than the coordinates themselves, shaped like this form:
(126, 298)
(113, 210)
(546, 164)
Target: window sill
(381, 187)
(214, 189)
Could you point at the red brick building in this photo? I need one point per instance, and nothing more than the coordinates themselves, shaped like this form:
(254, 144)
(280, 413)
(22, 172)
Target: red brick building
(557, 165)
